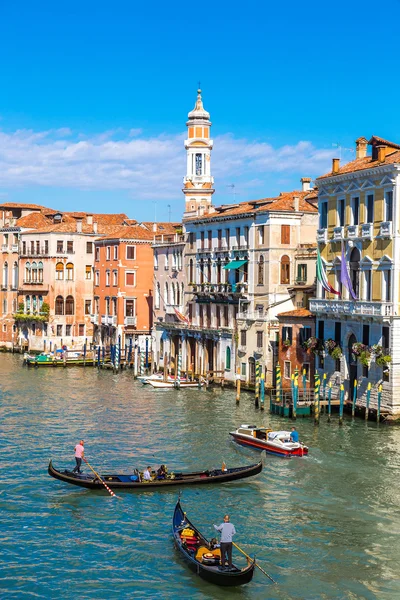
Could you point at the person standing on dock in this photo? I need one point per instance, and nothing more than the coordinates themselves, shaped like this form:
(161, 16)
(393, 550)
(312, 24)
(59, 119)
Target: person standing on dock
(79, 454)
(227, 530)
(294, 436)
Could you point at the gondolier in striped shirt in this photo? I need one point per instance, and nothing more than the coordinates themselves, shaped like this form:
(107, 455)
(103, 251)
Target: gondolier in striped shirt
(227, 530)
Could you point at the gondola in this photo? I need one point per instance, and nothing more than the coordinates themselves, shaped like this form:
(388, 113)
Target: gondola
(87, 480)
(202, 556)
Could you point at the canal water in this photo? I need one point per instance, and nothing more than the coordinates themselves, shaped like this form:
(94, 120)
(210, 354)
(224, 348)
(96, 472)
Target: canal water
(325, 527)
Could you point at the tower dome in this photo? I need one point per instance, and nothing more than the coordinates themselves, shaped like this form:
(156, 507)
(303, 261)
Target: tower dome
(199, 112)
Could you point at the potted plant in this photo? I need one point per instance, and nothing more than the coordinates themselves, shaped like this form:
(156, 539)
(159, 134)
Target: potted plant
(312, 344)
(383, 361)
(286, 343)
(333, 349)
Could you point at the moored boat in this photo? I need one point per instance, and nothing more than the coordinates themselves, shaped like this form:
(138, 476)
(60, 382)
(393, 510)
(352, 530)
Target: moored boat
(171, 384)
(202, 556)
(130, 481)
(273, 442)
(158, 377)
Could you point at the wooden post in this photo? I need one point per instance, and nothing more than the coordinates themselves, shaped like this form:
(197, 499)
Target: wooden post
(176, 369)
(317, 384)
(84, 352)
(368, 400)
(329, 401)
(135, 362)
(98, 357)
(262, 391)
(257, 388)
(324, 384)
(341, 404)
(353, 407)
(304, 384)
(295, 392)
(378, 412)
(238, 385)
(165, 367)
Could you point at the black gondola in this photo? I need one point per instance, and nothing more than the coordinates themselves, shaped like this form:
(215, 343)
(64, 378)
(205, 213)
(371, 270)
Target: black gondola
(117, 482)
(203, 558)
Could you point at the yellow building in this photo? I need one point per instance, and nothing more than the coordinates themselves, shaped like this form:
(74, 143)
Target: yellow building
(358, 241)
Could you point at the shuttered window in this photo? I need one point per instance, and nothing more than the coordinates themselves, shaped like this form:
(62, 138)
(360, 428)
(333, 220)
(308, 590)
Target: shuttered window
(285, 234)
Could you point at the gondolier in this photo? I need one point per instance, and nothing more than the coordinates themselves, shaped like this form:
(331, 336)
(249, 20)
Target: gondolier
(227, 530)
(79, 454)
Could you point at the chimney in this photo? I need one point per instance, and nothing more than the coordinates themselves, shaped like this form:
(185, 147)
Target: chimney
(79, 225)
(335, 165)
(155, 227)
(361, 147)
(305, 184)
(296, 203)
(381, 153)
(89, 219)
(94, 227)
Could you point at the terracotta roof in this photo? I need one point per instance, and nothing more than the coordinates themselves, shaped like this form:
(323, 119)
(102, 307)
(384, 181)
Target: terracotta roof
(6, 205)
(283, 202)
(133, 232)
(298, 312)
(70, 227)
(33, 221)
(130, 222)
(375, 140)
(161, 227)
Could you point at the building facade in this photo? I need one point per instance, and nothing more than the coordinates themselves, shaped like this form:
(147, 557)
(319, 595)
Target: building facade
(358, 242)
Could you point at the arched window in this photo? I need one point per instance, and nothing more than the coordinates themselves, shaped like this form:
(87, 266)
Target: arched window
(285, 269)
(209, 270)
(172, 298)
(40, 272)
(40, 302)
(226, 270)
(219, 270)
(5, 275)
(261, 271)
(228, 359)
(178, 294)
(69, 305)
(15, 276)
(191, 280)
(70, 272)
(355, 270)
(34, 271)
(59, 308)
(158, 295)
(34, 304)
(28, 303)
(59, 272)
(182, 293)
(166, 297)
(201, 271)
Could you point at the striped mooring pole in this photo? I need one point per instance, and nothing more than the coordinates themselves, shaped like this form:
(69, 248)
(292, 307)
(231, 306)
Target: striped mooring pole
(324, 392)
(341, 404)
(178, 378)
(278, 384)
(368, 400)
(116, 355)
(141, 362)
(378, 412)
(329, 401)
(296, 391)
(292, 386)
(262, 391)
(304, 384)
(257, 389)
(317, 384)
(353, 406)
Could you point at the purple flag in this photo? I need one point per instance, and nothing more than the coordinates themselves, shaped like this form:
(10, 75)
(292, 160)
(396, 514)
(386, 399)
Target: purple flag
(344, 276)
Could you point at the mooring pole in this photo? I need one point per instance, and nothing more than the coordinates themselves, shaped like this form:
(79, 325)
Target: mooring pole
(353, 407)
(368, 400)
(296, 391)
(262, 391)
(238, 385)
(341, 404)
(257, 388)
(378, 412)
(317, 384)
(324, 392)
(329, 401)
(278, 383)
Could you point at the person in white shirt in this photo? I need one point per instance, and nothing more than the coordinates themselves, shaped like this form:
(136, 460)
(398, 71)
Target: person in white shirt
(147, 474)
(227, 532)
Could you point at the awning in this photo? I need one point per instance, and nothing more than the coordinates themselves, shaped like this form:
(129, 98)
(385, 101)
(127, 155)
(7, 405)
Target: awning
(235, 264)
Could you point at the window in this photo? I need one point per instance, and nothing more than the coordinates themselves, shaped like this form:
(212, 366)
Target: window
(287, 334)
(243, 333)
(68, 330)
(70, 271)
(355, 210)
(323, 215)
(15, 276)
(370, 208)
(115, 277)
(70, 247)
(260, 335)
(260, 278)
(304, 334)
(69, 306)
(60, 246)
(226, 316)
(32, 246)
(191, 280)
(158, 295)
(227, 237)
(34, 304)
(81, 329)
(388, 206)
(89, 247)
(191, 240)
(209, 239)
(228, 359)
(108, 252)
(130, 278)
(367, 285)
(28, 303)
(46, 246)
(28, 271)
(287, 370)
(59, 271)
(5, 275)
(34, 271)
(97, 278)
(243, 370)
(202, 240)
(5, 306)
(199, 164)
(97, 254)
(129, 308)
(301, 273)
(238, 236)
(37, 247)
(246, 235)
(88, 271)
(285, 269)
(131, 253)
(107, 278)
(59, 330)
(261, 235)
(155, 259)
(4, 328)
(23, 247)
(88, 307)
(59, 306)
(285, 234)
(40, 272)
(115, 252)
(385, 338)
(387, 285)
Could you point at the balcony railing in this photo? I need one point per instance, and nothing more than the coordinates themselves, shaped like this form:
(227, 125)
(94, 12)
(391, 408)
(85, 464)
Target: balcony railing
(242, 348)
(322, 235)
(130, 321)
(348, 307)
(108, 320)
(14, 247)
(241, 247)
(338, 234)
(352, 231)
(252, 316)
(385, 230)
(366, 231)
(4, 248)
(94, 319)
(221, 249)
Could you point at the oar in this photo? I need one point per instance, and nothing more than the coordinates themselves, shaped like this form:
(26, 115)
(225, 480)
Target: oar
(100, 479)
(258, 566)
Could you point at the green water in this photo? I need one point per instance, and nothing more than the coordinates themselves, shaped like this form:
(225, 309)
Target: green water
(325, 526)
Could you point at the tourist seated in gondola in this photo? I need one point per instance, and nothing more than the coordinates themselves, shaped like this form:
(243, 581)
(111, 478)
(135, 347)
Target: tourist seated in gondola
(135, 476)
(162, 472)
(147, 474)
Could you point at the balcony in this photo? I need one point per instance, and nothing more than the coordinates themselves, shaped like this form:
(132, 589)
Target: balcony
(322, 236)
(338, 234)
(252, 315)
(241, 247)
(385, 230)
(352, 232)
(109, 320)
(366, 231)
(94, 319)
(14, 247)
(242, 349)
(222, 249)
(31, 285)
(350, 308)
(205, 251)
(130, 321)
(4, 248)
(28, 252)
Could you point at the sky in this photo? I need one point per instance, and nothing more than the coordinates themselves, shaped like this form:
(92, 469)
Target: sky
(94, 96)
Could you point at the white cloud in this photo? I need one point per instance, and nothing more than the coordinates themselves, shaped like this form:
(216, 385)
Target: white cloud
(150, 167)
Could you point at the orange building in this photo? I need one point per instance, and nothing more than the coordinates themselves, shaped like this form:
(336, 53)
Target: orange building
(123, 286)
(295, 328)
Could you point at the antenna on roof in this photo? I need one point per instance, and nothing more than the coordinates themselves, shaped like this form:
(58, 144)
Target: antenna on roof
(233, 188)
(340, 148)
(169, 213)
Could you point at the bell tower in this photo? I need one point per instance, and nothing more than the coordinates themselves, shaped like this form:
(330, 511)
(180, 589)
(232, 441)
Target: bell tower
(198, 183)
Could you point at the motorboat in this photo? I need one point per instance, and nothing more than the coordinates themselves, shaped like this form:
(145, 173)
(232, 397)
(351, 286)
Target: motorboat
(157, 377)
(171, 384)
(273, 442)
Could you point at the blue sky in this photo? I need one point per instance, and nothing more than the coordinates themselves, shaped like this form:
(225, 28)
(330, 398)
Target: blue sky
(94, 96)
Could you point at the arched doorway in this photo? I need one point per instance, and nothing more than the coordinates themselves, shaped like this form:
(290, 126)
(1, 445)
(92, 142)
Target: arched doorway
(352, 364)
(355, 270)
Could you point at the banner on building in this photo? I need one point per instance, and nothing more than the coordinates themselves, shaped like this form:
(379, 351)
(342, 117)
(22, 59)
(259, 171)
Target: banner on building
(322, 278)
